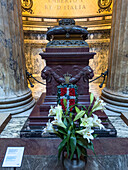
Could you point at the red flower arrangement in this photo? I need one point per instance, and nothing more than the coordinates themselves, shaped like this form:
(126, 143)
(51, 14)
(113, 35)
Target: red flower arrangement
(68, 92)
(72, 92)
(63, 91)
(71, 102)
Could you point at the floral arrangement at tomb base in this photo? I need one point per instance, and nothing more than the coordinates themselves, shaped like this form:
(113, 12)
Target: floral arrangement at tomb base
(75, 130)
(68, 92)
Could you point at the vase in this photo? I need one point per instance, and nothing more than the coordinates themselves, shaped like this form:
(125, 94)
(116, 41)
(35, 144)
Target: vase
(75, 163)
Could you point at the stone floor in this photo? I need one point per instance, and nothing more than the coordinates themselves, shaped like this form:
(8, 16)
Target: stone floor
(12, 130)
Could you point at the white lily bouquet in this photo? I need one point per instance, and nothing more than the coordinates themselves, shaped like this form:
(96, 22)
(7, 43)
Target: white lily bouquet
(75, 130)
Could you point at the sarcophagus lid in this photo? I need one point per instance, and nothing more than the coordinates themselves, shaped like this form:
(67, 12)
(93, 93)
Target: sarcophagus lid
(67, 35)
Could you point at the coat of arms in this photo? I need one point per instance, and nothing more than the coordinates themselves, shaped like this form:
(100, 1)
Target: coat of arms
(104, 5)
(27, 5)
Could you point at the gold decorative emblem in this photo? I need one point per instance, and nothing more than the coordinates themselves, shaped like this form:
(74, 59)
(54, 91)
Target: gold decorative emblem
(27, 5)
(104, 5)
(67, 78)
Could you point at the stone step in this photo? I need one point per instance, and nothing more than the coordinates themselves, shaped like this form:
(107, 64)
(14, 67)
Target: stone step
(4, 119)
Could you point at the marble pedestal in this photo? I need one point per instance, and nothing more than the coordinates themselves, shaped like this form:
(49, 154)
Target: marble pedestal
(58, 62)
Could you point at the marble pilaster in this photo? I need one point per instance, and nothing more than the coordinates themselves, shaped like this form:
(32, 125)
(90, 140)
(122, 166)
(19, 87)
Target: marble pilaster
(15, 96)
(115, 94)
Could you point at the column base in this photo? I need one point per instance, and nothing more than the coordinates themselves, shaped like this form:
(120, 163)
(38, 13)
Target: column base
(18, 104)
(114, 102)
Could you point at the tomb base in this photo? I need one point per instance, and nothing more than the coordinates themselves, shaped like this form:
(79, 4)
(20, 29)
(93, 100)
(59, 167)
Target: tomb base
(37, 121)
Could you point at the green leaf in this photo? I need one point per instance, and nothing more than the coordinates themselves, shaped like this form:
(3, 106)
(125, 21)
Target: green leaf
(70, 114)
(94, 135)
(91, 98)
(68, 141)
(84, 141)
(90, 146)
(65, 122)
(84, 151)
(69, 119)
(72, 145)
(61, 147)
(78, 152)
(77, 109)
(85, 108)
(65, 102)
(81, 144)
(62, 130)
(79, 115)
(82, 106)
(71, 106)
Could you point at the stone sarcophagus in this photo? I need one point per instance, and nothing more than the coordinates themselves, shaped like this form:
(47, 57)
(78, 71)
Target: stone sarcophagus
(66, 53)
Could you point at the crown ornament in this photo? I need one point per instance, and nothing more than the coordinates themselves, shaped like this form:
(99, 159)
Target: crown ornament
(67, 78)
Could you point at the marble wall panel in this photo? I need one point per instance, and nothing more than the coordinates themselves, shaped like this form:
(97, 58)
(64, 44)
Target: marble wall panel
(34, 64)
(99, 42)
(100, 62)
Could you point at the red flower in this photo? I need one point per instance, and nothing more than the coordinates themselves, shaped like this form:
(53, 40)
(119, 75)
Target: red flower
(72, 92)
(71, 102)
(63, 91)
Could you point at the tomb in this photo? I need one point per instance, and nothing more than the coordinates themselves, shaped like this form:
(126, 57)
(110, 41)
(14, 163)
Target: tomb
(66, 52)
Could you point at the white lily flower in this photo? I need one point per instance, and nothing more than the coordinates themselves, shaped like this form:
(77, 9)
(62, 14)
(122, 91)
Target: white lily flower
(97, 122)
(58, 109)
(98, 105)
(91, 98)
(86, 133)
(86, 122)
(58, 119)
(52, 111)
(49, 128)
